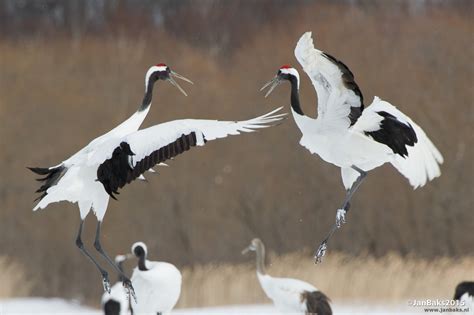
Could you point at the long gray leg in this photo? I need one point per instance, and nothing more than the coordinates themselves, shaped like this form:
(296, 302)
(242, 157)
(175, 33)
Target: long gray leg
(354, 187)
(80, 245)
(340, 215)
(126, 281)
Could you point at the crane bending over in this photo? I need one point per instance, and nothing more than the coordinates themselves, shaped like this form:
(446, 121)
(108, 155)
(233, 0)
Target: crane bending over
(289, 295)
(353, 138)
(158, 283)
(122, 155)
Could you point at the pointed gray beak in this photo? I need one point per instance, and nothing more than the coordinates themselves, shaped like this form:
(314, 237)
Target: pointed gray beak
(122, 258)
(245, 250)
(172, 81)
(273, 83)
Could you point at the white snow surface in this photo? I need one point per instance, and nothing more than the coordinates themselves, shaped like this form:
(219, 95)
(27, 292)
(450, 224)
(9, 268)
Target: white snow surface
(56, 306)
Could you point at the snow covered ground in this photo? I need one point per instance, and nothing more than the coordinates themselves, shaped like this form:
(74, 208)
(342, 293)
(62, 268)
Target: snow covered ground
(58, 306)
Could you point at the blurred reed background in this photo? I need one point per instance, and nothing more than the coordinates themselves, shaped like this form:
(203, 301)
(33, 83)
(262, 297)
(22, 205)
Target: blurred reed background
(71, 70)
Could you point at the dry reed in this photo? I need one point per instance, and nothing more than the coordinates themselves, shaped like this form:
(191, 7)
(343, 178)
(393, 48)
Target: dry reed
(57, 93)
(15, 282)
(390, 278)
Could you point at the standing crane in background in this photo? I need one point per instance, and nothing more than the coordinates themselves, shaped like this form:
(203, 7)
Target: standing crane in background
(109, 162)
(289, 295)
(353, 138)
(158, 283)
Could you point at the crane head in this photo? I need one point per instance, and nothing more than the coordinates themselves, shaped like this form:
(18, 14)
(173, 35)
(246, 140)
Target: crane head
(286, 72)
(121, 258)
(139, 249)
(162, 72)
(254, 244)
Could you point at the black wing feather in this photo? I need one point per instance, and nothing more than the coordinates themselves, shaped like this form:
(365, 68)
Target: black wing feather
(116, 172)
(395, 134)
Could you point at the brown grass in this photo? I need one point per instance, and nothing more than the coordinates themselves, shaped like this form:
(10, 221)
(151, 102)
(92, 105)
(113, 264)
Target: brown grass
(15, 281)
(343, 278)
(57, 93)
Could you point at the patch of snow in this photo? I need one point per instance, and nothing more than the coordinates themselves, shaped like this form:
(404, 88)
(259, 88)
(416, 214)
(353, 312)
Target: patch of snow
(40, 306)
(26, 306)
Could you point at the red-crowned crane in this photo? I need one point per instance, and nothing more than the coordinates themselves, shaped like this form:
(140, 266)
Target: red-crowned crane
(289, 295)
(109, 162)
(157, 283)
(353, 138)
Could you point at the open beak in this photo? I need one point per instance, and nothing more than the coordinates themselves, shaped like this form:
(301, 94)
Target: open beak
(172, 81)
(273, 83)
(246, 250)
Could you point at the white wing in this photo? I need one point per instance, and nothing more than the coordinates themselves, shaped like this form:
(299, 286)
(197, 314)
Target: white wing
(340, 101)
(422, 160)
(156, 144)
(146, 141)
(128, 126)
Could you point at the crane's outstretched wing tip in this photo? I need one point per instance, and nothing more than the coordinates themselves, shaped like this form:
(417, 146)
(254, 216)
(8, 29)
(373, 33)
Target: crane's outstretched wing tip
(306, 40)
(272, 112)
(305, 48)
(308, 34)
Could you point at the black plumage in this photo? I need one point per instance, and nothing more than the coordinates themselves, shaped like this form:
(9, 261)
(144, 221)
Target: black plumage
(462, 288)
(53, 175)
(117, 171)
(394, 133)
(112, 307)
(316, 303)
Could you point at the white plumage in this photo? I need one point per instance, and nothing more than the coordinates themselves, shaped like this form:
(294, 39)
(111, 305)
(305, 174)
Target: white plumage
(333, 137)
(79, 183)
(288, 295)
(111, 161)
(157, 284)
(353, 138)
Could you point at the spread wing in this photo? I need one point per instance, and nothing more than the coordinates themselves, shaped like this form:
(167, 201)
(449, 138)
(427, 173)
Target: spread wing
(143, 149)
(340, 101)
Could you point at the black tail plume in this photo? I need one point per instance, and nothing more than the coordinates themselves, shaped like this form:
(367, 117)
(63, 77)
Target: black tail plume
(39, 170)
(53, 175)
(316, 303)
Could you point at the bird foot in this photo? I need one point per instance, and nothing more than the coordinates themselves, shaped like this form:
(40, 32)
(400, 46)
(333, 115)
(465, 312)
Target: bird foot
(321, 252)
(127, 284)
(340, 217)
(106, 282)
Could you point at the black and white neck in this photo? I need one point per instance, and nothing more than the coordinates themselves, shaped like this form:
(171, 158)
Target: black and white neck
(291, 74)
(139, 249)
(152, 75)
